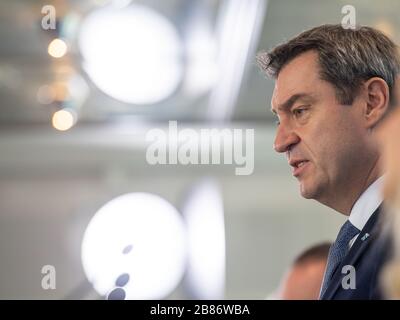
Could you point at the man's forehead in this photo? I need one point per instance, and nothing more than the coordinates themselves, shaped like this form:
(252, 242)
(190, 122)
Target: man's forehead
(275, 99)
(299, 74)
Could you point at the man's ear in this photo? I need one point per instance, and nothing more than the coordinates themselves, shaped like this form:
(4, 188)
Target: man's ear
(377, 101)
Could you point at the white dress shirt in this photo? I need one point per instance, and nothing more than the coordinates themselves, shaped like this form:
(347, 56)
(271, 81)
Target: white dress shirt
(366, 205)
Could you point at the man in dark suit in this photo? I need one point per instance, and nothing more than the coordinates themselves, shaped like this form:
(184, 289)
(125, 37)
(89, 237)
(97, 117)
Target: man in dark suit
(333, 88)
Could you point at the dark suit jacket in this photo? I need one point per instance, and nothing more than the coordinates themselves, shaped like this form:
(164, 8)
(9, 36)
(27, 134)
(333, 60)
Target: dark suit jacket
(368, 254)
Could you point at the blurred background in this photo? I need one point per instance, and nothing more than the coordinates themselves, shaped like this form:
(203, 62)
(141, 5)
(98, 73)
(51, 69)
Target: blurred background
(79, 92)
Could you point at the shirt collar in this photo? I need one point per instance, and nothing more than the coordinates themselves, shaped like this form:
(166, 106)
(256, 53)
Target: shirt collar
(366, 204)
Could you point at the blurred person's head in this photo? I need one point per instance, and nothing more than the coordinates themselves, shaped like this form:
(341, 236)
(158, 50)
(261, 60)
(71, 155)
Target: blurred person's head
(304, 278)
(333, 86)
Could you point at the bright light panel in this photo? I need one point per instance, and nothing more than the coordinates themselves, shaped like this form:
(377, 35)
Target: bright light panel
(131, 54)
(153, 231)
(204, 217)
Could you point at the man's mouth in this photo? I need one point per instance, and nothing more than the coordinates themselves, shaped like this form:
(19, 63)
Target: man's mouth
(298, 166)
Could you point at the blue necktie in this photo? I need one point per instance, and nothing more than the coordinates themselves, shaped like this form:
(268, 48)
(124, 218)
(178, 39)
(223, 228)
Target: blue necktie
(338, 251)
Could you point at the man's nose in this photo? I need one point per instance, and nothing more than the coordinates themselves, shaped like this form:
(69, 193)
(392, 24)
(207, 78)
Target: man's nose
(285, 138)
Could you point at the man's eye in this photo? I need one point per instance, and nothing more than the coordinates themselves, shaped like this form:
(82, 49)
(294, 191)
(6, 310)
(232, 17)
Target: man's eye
(277, 122)
(299, 112)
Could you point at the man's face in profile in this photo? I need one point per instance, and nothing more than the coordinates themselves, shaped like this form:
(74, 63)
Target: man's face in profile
(323, 139)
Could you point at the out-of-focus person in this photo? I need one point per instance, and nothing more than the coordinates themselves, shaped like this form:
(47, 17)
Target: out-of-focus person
(304, 278)
(389, 135)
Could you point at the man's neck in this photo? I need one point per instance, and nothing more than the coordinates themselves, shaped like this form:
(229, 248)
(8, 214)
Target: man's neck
(344, 200)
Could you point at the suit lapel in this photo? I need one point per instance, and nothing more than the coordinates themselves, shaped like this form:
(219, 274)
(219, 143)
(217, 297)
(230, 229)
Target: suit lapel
(358, 248)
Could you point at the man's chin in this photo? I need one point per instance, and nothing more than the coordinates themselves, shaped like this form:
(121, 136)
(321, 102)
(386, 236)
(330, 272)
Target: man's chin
(306, 192)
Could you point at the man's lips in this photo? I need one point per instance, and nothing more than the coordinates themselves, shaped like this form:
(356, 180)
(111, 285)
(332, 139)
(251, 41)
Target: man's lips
(298, 166)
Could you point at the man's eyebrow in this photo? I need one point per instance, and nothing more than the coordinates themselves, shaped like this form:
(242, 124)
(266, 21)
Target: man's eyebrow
(291, 101)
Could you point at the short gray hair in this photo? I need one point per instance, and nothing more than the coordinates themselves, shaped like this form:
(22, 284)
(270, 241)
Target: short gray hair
(347, 57)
